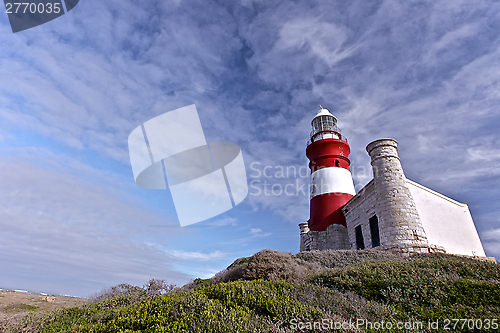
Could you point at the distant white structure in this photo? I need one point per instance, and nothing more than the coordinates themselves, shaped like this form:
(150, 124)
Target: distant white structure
(393, 213)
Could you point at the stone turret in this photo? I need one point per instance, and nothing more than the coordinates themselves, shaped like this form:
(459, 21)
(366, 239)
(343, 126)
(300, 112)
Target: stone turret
(304, 236)
(401, 229)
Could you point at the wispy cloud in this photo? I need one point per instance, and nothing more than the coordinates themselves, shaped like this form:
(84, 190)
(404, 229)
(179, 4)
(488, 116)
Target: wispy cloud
(224, 222)
(491, 235)
(183, 255)
(256, 232)
(491, 242)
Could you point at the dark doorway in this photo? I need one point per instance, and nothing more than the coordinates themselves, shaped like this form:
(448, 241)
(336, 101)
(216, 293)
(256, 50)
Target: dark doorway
(374, 231)
(360, 243)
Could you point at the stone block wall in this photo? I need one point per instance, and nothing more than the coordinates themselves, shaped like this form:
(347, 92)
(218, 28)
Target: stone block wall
(397, 213)
(358, 212)
(333, 238)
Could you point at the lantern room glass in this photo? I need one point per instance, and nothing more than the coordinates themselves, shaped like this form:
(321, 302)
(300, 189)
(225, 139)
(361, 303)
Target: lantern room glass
(324, 124)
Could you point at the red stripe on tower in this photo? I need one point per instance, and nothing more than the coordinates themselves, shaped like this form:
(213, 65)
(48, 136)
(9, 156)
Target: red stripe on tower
(331, 180)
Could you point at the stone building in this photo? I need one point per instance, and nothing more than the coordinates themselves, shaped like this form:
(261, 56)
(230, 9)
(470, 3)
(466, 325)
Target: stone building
(395, 214)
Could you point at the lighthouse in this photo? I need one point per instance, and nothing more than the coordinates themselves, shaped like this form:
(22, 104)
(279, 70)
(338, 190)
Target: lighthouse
(331, 181)
(390, 213)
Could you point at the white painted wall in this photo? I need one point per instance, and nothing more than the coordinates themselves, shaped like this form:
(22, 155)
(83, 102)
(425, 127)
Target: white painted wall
(446, 222)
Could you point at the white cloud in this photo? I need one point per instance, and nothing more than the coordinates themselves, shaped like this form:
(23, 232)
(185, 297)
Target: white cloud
(491, 242)
(452, 39)
(324, 40)
(184, 255)
(256, 232)
(225, 221)
(491, 235)
(485, 153)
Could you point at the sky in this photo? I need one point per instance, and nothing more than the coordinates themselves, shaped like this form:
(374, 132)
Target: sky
(72, 219)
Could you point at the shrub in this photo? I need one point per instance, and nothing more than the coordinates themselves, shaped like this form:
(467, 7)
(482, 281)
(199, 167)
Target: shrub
(126, 292)
(158, 287)
(343, 258)
(268, 265)
(427, 287)
(274, 265)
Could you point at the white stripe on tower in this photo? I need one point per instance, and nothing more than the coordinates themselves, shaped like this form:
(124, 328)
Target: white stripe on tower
(331, 180)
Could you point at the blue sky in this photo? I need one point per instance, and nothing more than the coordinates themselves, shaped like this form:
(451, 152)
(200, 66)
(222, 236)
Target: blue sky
(72, 220)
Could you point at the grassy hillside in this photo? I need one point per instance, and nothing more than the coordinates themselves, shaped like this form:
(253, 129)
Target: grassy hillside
(272, 291)
(15, 305)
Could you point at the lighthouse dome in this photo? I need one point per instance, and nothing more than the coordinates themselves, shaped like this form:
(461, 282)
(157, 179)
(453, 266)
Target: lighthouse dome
(323, 112)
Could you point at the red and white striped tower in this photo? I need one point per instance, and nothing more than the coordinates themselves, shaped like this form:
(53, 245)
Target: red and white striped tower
(331, 180)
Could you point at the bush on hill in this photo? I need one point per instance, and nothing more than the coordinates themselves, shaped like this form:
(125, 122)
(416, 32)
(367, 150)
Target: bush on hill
(272, 265)
(429, 286)
(268, 265)
(272, 291)
(342, 258)
(240, 306)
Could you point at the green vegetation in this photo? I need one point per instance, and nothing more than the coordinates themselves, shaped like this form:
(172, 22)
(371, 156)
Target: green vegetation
(427, 287)
(273, 291)
(19, 307)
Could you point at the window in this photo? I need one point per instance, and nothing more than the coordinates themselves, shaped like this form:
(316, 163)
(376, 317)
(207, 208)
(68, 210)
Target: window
(374, 231)
(360, 243)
